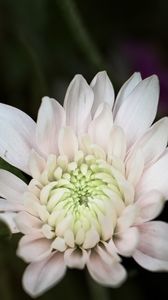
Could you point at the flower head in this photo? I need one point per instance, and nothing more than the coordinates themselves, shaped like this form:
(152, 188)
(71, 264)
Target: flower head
(99, 176)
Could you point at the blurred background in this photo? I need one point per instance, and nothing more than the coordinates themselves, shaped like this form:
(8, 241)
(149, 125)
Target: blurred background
(43, 44)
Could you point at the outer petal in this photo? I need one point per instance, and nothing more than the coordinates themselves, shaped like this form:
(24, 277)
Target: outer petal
(16, 136)
(153, 247)
(27, 223)
(100, 127)
(11, 187)
(138, 111)
(151, 205)
(155, 177)
(67, 142)
(125, 90)
(51, 117)
(34, 247)
(75, 258)
(78, 103)
(127, 241)
(117, 143)
(111, 275)
(103, 90)
(42, 275)
(153, 142)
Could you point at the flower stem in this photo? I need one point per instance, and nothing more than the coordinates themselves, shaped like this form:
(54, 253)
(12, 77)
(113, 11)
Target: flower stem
(73, 19)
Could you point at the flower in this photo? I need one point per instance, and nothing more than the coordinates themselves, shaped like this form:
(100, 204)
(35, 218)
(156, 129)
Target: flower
(99, 177)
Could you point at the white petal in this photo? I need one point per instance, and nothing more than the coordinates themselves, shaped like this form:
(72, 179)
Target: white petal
(9, 219)
(151, 205)
(7, 205)
(100, 127)
(67, 143)
(153, 142)
(153, 246)
(78, 103)
(138, 111)
(125, 90)
(75, 258)
(117, 143)
(111, 275)
(27, 223)
(33, 247)
(135, 166)
(17, 136)
(51, 117)
(40, 276)
(91, 239)
(103, 90)
(36, 164)
(11, 187)
(127, 218)
(127, 241)
(155, 177)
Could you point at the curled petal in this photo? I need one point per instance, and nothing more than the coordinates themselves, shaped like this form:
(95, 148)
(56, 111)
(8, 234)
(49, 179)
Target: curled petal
(151, 205)
(103, 90)
(152, 252)
(76, 258)
(17, 136)
(111, 275)
(34, 247)
(125, 90)
(42, 275)
(67, 143)
(127, 241)
(100, 127)
(78, 103)
(139, 109)
(51, 117)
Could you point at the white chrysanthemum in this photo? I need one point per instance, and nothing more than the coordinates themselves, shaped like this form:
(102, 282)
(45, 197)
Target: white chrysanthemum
(99, 176)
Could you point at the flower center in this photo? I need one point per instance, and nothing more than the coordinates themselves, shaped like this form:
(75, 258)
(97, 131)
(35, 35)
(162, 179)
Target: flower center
(78, 201)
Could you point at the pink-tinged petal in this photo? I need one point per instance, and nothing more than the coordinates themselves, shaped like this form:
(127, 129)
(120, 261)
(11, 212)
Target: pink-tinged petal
(103, 90)
(42, 275)
(111, 275)
(127, 241)
(51, 117)
(34, 247)
(153, 142)
(155, 177)
(125, 90)
(100, 127)
(150, 263)
(36, 164)
(17, 136)
(153, 247)
(9, 219)
(151, 205)
(78, 103)
(138, 111)
(117, 143)
(11, 187)
(27, 223)
(127, 218)
(135, 167)
(75, 258)
(67, 142)
(7, 205)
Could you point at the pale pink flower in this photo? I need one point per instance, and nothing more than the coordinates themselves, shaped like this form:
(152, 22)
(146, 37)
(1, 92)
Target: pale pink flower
(99, 176)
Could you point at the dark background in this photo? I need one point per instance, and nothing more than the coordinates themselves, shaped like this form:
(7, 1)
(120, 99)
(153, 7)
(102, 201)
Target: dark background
(43, 44)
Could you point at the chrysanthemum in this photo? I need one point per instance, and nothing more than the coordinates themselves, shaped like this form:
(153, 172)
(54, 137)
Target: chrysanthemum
(99, 177)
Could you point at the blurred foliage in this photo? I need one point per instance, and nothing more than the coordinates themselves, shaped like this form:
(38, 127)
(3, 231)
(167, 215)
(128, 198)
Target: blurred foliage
(43, 45)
